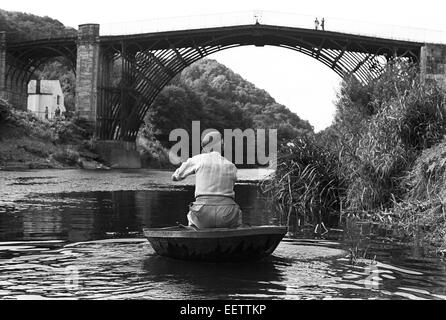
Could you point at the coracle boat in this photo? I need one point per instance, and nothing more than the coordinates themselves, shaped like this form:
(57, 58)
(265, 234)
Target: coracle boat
(215, 244)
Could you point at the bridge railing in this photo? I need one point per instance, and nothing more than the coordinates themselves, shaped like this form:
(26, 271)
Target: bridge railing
(178, 23)
(358, 27)
(284, 19)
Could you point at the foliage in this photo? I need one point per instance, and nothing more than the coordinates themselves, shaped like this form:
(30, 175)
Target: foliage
(175, 107)
(422, 220)
(422, 214)
(27, 141)
(221, 99)
(56, 130)
(381, 129)
(427, 178)
(66, 156)
(23, 26)
(306, 181)
(383, 160)
(153, 154)
(4, 110)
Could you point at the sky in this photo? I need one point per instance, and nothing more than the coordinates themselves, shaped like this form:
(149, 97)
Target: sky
(303, 84)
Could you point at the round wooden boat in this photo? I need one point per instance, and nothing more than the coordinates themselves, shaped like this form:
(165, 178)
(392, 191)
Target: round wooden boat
(215, 244)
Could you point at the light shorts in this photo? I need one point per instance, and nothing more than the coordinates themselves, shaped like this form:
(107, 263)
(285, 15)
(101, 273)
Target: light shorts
(214, 212)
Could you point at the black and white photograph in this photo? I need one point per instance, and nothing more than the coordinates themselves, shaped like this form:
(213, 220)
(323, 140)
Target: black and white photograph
(222, 155)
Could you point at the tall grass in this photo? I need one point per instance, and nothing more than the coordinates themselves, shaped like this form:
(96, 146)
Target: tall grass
(423, 211)
(306, 186)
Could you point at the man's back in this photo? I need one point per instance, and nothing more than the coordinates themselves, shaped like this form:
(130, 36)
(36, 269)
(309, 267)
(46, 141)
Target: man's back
(215, 175)
(214, 189)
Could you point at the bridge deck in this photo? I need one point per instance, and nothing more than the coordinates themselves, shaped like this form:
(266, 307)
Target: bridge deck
(265, 33)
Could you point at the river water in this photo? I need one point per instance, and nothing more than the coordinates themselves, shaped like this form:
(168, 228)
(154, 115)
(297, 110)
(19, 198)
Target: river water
(77, 234)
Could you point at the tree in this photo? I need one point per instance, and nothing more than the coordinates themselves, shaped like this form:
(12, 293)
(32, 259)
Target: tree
(213, 94)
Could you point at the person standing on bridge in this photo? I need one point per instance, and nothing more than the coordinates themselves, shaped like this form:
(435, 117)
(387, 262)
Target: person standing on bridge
(316, 24)
(214, 205)
(323, 24)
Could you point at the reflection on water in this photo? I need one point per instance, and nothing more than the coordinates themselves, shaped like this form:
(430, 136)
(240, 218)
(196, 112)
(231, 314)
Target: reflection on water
(82, 216)
(89, 245)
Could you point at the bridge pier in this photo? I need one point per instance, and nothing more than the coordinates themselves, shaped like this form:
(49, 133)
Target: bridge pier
(87, 71)
(89, 68)
(433, 63)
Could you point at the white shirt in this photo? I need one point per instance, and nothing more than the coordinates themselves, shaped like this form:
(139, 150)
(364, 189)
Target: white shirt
(215, 175)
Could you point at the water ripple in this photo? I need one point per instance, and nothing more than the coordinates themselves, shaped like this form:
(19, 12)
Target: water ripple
(129, 269)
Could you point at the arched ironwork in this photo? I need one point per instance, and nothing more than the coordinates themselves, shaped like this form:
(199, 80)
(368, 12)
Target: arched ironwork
(149, 62)
(23, 59)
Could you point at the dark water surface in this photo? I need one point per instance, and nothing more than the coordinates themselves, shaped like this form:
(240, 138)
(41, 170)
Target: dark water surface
(77, 234)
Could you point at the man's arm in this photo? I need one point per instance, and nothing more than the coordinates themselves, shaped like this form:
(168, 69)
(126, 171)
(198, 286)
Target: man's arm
(187, 168)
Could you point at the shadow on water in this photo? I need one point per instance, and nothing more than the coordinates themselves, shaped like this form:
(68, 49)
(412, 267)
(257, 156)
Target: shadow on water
(218, 279)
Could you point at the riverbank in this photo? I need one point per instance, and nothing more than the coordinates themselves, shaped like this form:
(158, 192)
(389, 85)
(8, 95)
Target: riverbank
(27, 142)
(383, 159)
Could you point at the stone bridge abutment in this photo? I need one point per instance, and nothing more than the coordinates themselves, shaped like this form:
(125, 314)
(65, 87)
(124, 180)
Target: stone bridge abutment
(433, 63)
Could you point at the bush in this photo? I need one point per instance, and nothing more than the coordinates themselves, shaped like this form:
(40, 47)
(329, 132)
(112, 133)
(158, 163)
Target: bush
(423, 220)
(36, 148)
(383, 158)
(72, 130)
(152, 152)
(427, 179)
(399, 117)
(66, 156)
(422, 213)
(5, 110)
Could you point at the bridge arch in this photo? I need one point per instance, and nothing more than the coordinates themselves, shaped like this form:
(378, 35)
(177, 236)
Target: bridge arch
(150, 63)
(23, 59)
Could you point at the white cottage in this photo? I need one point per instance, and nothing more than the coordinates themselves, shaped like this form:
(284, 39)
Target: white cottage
(44, 96)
